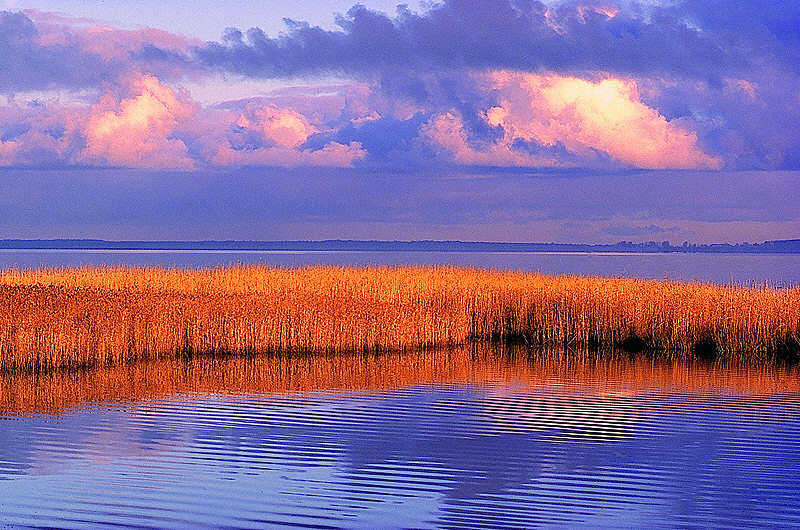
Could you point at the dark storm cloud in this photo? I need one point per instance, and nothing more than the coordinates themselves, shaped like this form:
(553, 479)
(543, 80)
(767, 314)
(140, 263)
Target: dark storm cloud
(27, 65)
(758, 28)
(489, 34)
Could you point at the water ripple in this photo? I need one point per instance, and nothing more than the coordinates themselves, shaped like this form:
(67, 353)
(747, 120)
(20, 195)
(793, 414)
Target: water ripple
(496, 453)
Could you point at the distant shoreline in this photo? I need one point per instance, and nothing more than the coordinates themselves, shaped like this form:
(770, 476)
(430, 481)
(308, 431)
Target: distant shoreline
(786, 246)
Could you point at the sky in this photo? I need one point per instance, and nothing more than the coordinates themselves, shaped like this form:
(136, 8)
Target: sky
(482, 120)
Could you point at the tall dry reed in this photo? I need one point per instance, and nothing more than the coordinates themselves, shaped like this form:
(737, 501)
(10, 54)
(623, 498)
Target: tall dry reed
(90, 316)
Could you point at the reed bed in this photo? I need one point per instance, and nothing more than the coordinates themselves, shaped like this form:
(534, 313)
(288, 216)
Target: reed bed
(59, 318)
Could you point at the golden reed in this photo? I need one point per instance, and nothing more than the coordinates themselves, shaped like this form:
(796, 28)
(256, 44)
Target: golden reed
(95, 316)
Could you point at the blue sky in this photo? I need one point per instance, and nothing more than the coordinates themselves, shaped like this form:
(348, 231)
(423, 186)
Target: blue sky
(501, 120)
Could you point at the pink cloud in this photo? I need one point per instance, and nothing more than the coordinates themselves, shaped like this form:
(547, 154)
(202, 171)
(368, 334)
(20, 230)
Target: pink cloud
(587, 117)
(278, 126)
(110, 43)
(446, 132)
(136, 131)
(145, 123)
(47, 134)
(333, 154)
(7, 152)
(334, 103)
(282, 133)
(137, 120)
(100, 39)
(120, 49)
(741, 86)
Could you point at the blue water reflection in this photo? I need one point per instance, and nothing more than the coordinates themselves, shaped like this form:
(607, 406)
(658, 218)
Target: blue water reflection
(463, 455)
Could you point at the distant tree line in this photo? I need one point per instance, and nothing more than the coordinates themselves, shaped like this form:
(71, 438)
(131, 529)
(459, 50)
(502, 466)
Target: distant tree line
(786, 246)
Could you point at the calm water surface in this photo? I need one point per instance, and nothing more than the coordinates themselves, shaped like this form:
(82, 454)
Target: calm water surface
(740, 269)
(430, 439)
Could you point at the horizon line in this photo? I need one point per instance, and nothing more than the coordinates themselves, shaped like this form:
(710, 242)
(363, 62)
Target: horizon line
(665, 243)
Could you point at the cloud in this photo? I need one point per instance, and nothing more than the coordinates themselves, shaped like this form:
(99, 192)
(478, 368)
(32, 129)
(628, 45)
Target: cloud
(281, 127)
(331, 155)
(26, 64)
(488, 35)
(588, 117)
(269, 135)
(144, 123)
(753, 123)
(627, 230)
(39, 135)
(720, 79)
(137, 131)
(506, 83)
(532, 120)
(447, 133)
(763, 30)
(111, 43)
(45, 51)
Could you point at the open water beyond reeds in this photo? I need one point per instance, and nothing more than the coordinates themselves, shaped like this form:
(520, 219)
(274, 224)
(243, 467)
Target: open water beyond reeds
(461, 439)
(777, 270)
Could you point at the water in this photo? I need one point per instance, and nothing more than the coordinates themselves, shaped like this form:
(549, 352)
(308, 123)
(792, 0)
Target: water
(460, 439)
(778, 270)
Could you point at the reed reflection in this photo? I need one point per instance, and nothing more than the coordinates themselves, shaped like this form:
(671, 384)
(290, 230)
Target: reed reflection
(448, 438)
(562, 375)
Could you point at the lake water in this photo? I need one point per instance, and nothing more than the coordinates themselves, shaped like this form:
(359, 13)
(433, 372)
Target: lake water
(448, 439)
(779, 270)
